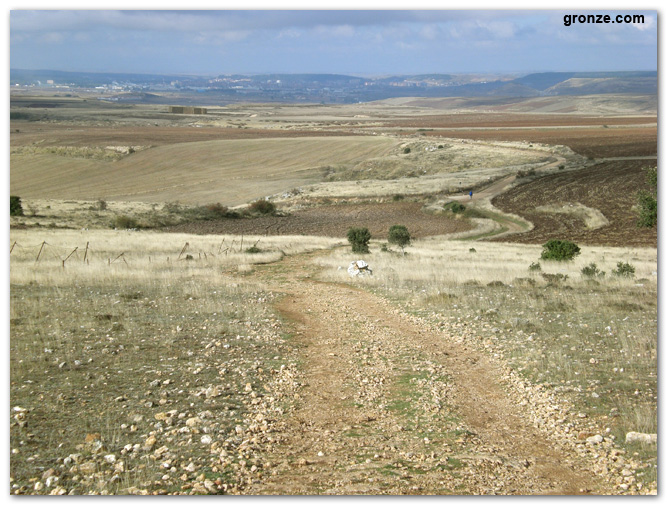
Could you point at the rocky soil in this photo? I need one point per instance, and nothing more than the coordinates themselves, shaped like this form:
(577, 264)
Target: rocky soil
(390, 404)
(367, 399)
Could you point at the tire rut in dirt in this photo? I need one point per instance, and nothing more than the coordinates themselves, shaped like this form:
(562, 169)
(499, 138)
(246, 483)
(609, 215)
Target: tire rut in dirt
(390, 406)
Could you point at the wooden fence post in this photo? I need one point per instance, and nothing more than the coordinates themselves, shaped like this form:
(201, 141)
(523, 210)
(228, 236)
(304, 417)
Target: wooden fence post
(40, 251)
(187, 244)
(70, 254)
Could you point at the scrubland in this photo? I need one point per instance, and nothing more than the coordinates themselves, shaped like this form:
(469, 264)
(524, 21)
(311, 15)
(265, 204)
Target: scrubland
(125, 348)
(146, 362)
(592, 339)
(135, 338)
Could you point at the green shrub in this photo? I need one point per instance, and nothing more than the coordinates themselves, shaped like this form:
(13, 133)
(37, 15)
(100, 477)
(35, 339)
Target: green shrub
(648, 200)
(648, 210)
(210, 212)
(397, 198)
(173, 208)
(15, 207)
(592, 270)
(359, 239)
(455, 207)
(624, 270)
(253, 250)
(525, 173)
(263, 207)
(399, 235)
(406, 150)
(535, 267)
(217, 210)
(123, 222)
(560, 250)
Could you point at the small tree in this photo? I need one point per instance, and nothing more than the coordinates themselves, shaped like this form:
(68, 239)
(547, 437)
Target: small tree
(560, 250)
(359, 239)
(399, 235)
(15, 207)
(648, 200)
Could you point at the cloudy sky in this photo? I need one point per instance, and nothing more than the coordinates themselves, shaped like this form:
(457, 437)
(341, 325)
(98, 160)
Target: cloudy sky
(359, 42)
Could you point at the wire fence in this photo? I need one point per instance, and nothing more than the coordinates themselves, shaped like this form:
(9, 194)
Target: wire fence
(46, 250)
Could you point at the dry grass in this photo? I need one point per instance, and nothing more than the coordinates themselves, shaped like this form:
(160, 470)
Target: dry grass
(115, 256)
(592, 218)
(433, 262)
(432, 157)
(228, 171)
(106, 346)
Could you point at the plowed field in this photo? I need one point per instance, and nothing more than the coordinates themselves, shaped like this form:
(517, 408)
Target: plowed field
(48, 134)
(500, 120)
(335, 220)
(609, 187)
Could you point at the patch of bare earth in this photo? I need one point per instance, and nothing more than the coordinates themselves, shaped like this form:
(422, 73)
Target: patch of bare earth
(335, 220)
(392, 405)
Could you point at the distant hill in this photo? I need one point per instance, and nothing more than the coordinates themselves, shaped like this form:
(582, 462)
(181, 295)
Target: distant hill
(544, 80)
(605, 85)
(337, 88)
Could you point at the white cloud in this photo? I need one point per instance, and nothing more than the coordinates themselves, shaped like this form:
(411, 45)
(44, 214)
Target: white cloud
(499, 29)
(221, 37)
(430, 32)
(648, 23)
(337, 31)
(52, 38)
(289, 33)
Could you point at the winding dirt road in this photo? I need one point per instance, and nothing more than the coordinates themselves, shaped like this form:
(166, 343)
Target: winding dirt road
(393, 405)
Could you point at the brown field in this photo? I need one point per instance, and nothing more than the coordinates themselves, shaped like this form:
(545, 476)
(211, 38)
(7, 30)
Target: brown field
(203, 165)
(610, 187)
(335, 220)
(233, 171)
(505, 120)
(607, 105)
(100, 136)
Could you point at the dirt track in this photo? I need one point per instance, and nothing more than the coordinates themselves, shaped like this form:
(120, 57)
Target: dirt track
(390, 405)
